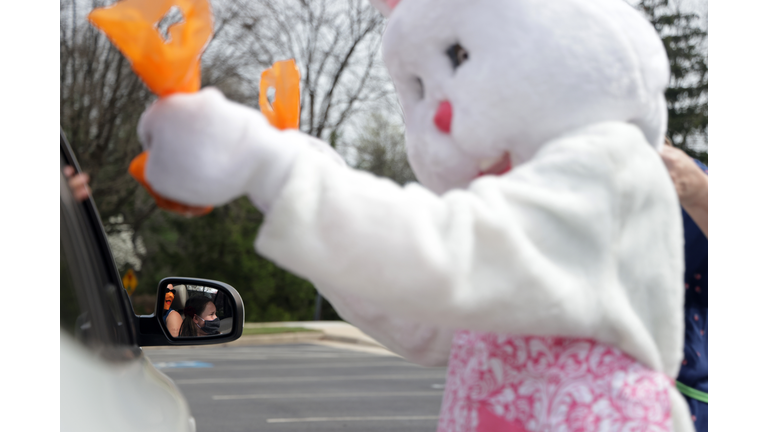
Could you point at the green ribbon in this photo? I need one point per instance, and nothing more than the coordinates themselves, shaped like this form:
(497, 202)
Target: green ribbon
(692, 392)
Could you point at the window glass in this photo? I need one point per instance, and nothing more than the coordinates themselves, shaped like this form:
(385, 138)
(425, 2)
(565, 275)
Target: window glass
(69, 308)
(92, 306)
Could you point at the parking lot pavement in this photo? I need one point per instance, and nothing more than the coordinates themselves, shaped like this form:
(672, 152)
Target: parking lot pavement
(302, 387)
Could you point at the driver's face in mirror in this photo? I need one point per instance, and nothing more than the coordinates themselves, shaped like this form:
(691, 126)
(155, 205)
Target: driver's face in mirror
(199, 318)
(208, 316)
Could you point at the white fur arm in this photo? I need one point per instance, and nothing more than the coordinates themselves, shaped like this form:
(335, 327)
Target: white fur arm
(207, 150)
(573, 243)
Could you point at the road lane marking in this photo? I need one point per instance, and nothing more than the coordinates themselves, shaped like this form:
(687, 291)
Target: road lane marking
(182, 364)
(430, 377)
(341, 419)
(220, 367)
(246, 356)
(324, 395)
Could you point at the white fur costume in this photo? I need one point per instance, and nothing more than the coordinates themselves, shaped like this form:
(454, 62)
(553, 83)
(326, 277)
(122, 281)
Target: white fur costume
(582, 239)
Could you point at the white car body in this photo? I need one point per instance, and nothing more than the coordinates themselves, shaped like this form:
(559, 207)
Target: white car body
(120, 396)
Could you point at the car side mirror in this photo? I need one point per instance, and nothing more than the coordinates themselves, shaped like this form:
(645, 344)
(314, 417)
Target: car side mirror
(191, 311)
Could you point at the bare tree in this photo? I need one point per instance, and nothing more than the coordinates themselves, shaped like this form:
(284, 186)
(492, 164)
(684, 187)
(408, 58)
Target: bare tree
(334, 42)
(101, 100)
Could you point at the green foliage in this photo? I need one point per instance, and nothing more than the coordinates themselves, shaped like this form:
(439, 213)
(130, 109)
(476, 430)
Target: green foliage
(219, 246)
(687, 100)
(380, 150)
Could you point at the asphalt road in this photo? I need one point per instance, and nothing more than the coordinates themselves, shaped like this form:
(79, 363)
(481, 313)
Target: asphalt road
(302, 387)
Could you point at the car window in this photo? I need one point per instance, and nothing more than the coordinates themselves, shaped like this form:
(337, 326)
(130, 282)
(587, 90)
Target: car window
(71, 312)
(92, 307)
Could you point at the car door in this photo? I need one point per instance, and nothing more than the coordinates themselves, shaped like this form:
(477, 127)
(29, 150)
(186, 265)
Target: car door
(107, 383)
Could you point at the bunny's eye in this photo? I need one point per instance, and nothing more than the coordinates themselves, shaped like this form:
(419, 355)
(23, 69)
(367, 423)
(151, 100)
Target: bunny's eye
(457, 54)
(419, 88)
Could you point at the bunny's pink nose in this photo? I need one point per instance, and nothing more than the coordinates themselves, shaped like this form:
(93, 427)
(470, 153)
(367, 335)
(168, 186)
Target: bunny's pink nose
(443, 117)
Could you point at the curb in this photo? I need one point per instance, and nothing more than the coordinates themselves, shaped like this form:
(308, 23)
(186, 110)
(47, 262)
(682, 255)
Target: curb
(314, 334)
(277, 338)
(351, 340)
(298, 337)
(250, 340)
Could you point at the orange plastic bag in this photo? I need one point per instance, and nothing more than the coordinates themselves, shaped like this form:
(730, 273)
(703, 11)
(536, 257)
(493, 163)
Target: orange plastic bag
(283, 112)
(166, 67)
(136, 169)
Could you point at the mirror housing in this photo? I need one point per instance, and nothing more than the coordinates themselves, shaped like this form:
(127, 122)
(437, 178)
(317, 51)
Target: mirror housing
(151, 329)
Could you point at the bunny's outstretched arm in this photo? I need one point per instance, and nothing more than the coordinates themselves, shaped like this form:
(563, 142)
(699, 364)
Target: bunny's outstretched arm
(207, 149)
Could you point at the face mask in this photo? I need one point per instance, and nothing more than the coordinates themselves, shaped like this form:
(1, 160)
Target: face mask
(211, 327)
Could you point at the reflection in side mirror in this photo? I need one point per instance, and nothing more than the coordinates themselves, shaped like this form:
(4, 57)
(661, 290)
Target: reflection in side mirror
(196, 311)
(191, 311)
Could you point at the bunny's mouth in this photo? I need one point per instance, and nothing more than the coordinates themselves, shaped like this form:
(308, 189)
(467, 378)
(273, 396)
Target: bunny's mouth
(495, 166)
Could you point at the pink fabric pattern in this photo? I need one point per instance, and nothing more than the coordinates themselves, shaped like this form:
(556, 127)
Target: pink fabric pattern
(549, 384)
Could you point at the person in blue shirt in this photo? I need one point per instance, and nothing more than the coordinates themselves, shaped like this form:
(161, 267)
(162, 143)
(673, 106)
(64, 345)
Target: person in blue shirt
(691, 182)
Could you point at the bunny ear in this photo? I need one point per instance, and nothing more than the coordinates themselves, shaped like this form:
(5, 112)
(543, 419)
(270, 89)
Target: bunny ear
(385, 6)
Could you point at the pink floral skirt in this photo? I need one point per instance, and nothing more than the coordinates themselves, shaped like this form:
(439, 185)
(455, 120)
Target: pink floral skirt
(549, 384)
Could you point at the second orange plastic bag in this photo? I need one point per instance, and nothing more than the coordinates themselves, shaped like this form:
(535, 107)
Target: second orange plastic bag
(283, 112)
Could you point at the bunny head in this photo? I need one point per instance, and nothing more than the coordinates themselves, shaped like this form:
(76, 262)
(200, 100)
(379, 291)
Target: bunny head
(485, 83)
